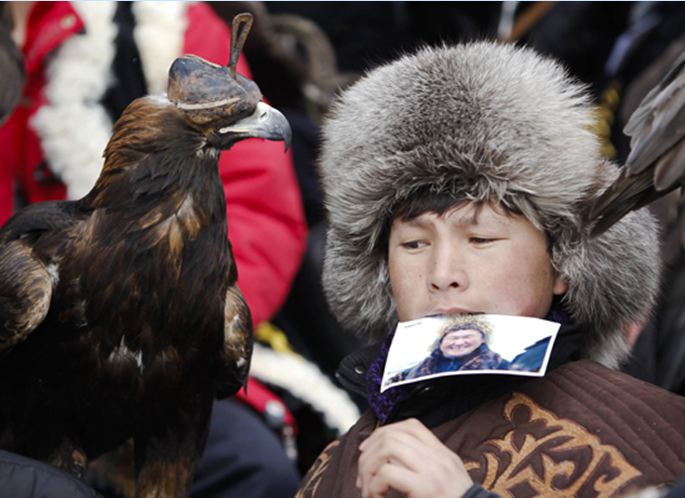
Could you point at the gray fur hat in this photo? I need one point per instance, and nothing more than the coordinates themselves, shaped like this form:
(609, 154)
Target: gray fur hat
(489, 122)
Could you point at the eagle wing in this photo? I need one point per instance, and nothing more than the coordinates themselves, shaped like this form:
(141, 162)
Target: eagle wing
(238, 342)
(27, 278)
(26, 285)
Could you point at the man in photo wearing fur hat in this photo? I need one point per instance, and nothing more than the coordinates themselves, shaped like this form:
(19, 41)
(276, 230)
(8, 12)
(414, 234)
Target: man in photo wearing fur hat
(462, 345)
(455, 182)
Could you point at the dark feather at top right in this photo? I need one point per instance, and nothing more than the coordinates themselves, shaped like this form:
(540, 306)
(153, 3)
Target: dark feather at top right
(656, 163)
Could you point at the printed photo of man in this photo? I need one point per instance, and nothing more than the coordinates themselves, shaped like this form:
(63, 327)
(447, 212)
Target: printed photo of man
(462, 345)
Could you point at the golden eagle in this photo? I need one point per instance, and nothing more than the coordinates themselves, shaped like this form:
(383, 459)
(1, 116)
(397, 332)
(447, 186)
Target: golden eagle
(119, 313)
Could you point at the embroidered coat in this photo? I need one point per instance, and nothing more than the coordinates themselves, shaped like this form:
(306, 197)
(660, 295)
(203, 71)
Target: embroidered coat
(583, 430)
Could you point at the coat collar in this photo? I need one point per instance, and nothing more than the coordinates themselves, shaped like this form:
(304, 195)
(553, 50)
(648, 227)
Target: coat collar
(49, 25)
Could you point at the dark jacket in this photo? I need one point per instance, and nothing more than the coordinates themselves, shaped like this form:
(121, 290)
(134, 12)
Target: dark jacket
(22, 477)
(483, 358)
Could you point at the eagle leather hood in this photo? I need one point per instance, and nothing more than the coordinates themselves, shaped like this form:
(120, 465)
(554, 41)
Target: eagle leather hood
(486, 122)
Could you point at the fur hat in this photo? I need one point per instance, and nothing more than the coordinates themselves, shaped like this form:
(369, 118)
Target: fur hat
(465, 322)
(487, 122)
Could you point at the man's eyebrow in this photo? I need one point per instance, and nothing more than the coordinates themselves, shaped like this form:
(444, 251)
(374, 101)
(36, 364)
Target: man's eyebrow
(418, 221)
(468, 218)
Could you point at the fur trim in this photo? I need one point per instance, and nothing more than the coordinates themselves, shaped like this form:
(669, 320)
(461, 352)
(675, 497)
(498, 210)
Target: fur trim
(304, 380)
(73, 126)
(160, 27)
(491, 122)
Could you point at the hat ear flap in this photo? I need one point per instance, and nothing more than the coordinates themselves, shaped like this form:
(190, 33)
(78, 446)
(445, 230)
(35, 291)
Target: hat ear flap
(613, 281)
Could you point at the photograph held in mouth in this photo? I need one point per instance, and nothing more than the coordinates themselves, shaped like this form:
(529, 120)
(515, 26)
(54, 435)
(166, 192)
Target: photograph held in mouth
(468, 344)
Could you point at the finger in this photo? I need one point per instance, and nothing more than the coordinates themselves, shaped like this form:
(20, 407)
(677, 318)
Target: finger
(411, 427)
(392, 476)
(419, 431)
(436, 482)
(400, 436)
(401, 449)
(406, 446)
(369, 462)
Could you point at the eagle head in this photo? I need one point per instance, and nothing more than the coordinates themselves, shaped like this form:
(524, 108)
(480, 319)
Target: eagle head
(226, 108)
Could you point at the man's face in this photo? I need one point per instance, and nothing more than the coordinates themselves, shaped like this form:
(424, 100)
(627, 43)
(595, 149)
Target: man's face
(460, 343)
(453, 263)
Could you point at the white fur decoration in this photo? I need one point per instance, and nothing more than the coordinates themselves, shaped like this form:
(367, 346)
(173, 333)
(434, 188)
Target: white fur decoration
(304, 380)
(73, 126)
(159, 35)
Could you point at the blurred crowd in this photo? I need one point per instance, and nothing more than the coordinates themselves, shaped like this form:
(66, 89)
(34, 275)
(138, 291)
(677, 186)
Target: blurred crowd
(302, 54)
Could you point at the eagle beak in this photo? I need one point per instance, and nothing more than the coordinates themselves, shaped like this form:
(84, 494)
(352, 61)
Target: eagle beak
(265, 122)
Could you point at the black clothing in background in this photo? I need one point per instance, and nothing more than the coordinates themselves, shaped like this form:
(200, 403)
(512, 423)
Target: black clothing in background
(126, 66)
(22, 477)
(580, 35)
(366, 34)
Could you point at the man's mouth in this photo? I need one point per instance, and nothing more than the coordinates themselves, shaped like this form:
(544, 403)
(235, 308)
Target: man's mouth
(447, 311)
(458, 350)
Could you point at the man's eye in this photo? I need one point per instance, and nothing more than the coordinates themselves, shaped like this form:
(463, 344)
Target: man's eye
(480, 240)
(414, 244)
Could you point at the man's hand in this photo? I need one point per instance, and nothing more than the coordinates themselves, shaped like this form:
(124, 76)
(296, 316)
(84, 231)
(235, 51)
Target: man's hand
(407, 457)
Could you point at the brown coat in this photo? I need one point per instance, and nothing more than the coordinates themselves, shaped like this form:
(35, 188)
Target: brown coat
(583, 430)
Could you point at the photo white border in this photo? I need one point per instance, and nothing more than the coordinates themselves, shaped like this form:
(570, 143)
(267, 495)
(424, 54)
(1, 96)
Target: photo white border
(510, 336)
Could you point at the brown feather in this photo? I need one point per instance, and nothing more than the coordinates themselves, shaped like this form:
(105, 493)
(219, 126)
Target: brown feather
(25, 298)
(670, 168)
(656, 164)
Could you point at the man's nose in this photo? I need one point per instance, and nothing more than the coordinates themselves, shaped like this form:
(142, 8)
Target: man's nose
(448, 269)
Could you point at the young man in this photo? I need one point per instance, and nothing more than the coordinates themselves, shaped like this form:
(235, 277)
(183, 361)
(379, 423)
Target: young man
(455, 181)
